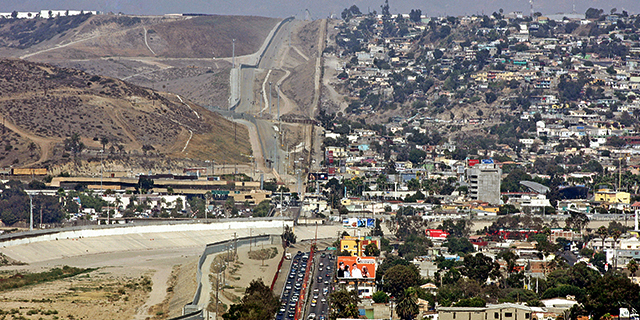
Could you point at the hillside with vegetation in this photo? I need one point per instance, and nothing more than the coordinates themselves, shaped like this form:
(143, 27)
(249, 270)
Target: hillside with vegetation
(59, 115)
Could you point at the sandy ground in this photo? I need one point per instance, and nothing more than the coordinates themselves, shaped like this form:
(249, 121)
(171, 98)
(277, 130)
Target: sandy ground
(241, 273)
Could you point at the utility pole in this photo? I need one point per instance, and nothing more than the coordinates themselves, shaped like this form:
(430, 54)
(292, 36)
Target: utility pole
(270, 107)
(30, 212)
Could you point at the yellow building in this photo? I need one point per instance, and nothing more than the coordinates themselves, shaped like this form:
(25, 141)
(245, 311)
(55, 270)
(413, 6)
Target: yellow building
(356, 245)
(610, 196)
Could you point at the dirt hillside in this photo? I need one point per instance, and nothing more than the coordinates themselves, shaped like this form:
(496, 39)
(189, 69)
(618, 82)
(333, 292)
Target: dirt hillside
(43, 107)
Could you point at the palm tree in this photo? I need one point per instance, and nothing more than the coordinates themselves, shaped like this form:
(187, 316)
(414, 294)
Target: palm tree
(616, 235)
(407, 308)
(603, 233)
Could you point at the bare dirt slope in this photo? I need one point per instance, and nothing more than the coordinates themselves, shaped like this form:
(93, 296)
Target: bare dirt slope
(46, 105)
(189, 56)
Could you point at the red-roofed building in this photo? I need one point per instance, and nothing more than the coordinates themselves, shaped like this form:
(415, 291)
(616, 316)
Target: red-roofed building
(436, 234)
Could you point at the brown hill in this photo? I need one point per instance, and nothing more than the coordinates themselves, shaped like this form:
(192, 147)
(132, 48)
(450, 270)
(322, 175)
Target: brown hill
(92, 36)
(172, 53)
(42, 106)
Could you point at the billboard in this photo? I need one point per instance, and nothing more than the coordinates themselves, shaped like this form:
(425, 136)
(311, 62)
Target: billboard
(356, 268)
(358, 223)
(473, 162)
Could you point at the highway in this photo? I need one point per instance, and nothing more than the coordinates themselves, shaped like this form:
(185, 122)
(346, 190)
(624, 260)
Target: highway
(293, 287)
(322, 286)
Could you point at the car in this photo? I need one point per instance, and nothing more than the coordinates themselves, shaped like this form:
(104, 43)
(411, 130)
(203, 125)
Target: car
(312, 316)
(291, 315)
(320, 269)
(315, 291)
(322, 264)
(315, 297)
(314, 301)
(323, 300)
(319, 278)
(328, 268)
(328, 275)
(326, 282)
(288, 287)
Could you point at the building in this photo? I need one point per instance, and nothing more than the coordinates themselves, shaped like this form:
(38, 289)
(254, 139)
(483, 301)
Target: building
(357, 245)
(503, 311)
(610, 196)
(484, 183)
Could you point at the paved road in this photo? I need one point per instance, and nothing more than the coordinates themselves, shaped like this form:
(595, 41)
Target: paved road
(322, 285)
(292, 289)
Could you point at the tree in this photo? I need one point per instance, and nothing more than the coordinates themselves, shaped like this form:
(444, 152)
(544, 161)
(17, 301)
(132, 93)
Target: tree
(471, 302)
(73, 144)
(385, 10)
(458, 245)
(144, 184)
(377, 229)
(399, 278)
(593, 13)
(344, 304)
(415, 15)
(262, 209)
(609, 293)
(258, 303)
(104, 141)
(603, 233)
(632, 266)
(480, 267)
(416, 156)
(407, 307)
(380, 297)
(490, 97)
(14, 14)
(371, 250)
(288, 236)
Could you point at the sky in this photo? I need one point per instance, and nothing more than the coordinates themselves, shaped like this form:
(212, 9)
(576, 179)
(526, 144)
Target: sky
(318, 8)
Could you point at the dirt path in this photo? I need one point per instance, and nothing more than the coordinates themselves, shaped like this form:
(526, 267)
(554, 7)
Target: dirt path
(258, 157)
(158, 291)
(318, 71)
(45, 144)
(58, 46)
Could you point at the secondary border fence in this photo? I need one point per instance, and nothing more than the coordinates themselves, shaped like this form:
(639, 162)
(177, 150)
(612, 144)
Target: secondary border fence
(192, 311)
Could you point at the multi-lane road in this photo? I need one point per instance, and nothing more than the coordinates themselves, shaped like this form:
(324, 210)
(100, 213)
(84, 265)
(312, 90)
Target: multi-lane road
(322, 286)
(321, 280)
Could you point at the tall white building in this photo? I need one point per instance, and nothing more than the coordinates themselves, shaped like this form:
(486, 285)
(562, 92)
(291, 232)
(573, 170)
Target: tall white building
(484, 183)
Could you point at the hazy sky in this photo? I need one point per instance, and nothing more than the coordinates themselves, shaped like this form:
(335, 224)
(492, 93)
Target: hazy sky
(318, 8)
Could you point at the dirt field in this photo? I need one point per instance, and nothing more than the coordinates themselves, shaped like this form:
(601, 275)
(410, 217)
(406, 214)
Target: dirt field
(126, 285)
